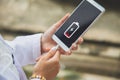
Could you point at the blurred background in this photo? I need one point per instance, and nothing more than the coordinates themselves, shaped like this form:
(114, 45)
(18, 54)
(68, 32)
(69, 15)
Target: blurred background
(98, 58)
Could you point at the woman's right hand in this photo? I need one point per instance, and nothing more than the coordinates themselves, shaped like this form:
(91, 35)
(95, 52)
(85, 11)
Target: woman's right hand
(48, 64)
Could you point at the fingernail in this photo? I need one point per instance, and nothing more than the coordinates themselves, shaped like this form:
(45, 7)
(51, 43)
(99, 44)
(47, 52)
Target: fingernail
(81, 39)
(75, 45)
(68, 52)
(55, 48)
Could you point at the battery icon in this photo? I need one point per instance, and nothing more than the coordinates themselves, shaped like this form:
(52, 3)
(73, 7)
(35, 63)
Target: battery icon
(71, 29)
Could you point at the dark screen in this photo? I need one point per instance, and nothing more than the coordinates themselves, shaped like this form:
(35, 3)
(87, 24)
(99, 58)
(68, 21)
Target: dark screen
(85, 14)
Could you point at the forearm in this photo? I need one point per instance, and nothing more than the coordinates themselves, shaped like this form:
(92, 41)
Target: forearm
(27, 48)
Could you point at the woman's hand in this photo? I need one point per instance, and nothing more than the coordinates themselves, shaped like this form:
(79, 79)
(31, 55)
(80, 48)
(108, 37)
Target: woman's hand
(47, 41)
(48, 64)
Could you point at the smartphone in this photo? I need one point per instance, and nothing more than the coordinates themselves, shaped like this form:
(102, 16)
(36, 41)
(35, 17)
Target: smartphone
(87, 12)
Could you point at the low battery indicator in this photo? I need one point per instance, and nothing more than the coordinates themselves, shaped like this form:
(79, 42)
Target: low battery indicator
(71, 29)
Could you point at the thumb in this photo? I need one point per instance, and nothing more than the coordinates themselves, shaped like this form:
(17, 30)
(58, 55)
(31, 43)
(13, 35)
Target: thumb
(51, 53)
(57, 56)
(59, 23)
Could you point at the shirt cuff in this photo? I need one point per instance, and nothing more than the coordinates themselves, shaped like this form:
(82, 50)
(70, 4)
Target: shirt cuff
(37, 45)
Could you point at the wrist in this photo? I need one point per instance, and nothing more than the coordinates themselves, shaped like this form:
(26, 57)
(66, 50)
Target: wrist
(42, 43)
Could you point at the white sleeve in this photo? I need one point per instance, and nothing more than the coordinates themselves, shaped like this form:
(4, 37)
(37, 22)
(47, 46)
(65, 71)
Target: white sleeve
(26, 48)
(2, 78)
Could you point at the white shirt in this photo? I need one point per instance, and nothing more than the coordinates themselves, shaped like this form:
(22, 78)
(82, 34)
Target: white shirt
(25, 50)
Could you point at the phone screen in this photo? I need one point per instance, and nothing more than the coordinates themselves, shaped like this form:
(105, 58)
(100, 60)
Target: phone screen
(78, 22)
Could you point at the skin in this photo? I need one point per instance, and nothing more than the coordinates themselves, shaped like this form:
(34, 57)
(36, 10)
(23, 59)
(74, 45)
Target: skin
(48, 64)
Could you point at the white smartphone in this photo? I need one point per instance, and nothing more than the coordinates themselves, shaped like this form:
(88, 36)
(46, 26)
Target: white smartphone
(87, 12)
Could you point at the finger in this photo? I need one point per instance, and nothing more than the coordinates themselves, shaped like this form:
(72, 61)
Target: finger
(74, 46)
(57, 56)
(62, 20)
(68, 52)
(65, 52)
(37, 59)
(80, 40)
(59, 23)
(51, 53)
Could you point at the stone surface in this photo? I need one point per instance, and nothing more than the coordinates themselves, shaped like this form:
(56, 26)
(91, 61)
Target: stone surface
(107, 28)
